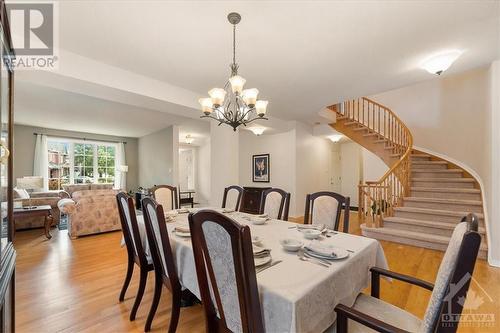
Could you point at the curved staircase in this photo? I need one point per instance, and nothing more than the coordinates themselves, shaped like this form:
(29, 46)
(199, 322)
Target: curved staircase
(421, 197)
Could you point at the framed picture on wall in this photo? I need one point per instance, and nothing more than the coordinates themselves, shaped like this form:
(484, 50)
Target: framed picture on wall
(261, 168)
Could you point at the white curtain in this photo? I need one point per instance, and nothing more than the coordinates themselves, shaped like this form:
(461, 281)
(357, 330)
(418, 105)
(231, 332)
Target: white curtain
(122, 176)
(41, 160)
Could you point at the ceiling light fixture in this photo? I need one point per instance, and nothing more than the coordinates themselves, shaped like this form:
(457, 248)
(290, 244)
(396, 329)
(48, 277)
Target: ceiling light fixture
(335, 138)
(257, 130)
(189, 139)
(440, 62)
(232, 105)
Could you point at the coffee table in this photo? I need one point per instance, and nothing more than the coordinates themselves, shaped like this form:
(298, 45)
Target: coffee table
(41, 210)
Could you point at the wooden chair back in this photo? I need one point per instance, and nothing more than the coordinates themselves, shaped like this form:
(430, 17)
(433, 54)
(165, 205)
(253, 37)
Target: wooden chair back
(227, 190)
(130, 229)
(166, 196)
(276, 203)
(225, 265)
(325, 208)
(159, 244)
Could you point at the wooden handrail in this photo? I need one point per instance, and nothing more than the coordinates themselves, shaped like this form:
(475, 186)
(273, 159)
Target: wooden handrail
(378, 198)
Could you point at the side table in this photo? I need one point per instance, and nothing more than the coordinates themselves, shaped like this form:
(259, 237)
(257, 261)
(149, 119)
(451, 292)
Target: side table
(42, 210)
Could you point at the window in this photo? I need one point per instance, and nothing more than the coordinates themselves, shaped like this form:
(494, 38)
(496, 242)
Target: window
(76, 162)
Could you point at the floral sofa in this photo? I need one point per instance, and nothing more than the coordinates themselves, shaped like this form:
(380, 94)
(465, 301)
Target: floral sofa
(50, 198)
(91, 211)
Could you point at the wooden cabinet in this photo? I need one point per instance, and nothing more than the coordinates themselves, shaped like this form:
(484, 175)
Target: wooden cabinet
(250, 203)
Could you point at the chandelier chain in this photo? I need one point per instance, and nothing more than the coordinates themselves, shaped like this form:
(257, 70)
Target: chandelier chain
(234, 43)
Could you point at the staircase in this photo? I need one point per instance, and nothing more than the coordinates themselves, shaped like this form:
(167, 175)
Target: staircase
(422, 197)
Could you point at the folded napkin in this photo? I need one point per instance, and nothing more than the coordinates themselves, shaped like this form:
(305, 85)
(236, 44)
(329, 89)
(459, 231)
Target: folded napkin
(321, 249)
(182, 229)
(259, 251)
(263, 215)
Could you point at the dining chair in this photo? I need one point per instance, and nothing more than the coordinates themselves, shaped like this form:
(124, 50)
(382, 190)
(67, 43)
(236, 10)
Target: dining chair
(135, 250)
(447, 298)
(325, 208)
(275, 203)
(163, 262)
(232, 195)
(166, 196)
(226, 273)
(185, 201)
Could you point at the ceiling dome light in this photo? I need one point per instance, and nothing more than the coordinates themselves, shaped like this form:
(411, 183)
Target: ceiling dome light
(335, 138)
(440, 62)
(189, 139)
(257, 130)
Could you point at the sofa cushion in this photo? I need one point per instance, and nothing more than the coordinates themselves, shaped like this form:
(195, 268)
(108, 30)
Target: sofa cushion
(78, 195)
(77, 187)
(21, 193)
(101, 186)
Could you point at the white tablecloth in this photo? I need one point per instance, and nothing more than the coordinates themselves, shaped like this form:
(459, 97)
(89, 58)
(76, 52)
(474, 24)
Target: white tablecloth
(296, 296)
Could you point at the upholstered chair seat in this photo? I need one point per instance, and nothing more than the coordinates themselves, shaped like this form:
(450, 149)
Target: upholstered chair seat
(383, 311)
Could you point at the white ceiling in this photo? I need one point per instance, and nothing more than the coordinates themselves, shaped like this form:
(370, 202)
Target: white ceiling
(301, 55)
(53, 108)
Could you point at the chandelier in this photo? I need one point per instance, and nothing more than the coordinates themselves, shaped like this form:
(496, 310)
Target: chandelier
(233, 105)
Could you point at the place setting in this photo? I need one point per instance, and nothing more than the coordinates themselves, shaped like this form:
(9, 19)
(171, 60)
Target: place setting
(262, 255)
(257, 219)
(315, 252)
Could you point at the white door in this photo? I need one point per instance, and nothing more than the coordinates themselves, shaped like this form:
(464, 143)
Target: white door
(335, 170)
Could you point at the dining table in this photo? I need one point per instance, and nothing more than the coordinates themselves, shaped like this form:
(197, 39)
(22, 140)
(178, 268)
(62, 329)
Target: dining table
(295, 295)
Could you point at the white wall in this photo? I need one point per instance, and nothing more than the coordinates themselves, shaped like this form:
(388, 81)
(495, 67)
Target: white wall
(280, 147)
(224, 160)
(203, 173)
(313, 156)
(158, 157)
(492, 183)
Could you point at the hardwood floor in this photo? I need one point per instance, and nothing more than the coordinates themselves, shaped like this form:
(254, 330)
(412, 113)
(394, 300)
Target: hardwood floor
(65, 285)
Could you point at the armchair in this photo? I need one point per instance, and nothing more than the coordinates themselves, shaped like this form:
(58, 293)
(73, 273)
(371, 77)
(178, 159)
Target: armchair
(91, 212)
(369, 313)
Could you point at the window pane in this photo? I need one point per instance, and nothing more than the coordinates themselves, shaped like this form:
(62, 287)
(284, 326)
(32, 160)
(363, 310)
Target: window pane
(89, 150)
(111, 162)
(111, 171)
(54, 184)
(101, 180)
(101, 161)
(78, 172)
(78, 181)
(89, 161)
(111, 151)
(79, 160)
(110, 180)
(79, 149)
(101, 150)
(88, 172)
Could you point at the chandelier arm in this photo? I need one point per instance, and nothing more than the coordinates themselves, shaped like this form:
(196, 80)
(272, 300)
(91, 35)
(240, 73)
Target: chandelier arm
(228, 114)
(254, 119)
(246, 113)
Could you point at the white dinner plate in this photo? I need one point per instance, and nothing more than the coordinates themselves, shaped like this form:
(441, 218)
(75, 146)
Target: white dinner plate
(262, 261)
(340, 254)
